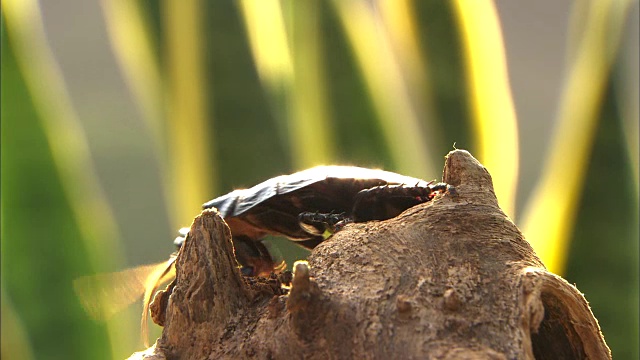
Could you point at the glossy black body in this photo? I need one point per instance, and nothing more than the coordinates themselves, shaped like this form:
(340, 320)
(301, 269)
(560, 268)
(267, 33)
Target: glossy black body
(273, 206)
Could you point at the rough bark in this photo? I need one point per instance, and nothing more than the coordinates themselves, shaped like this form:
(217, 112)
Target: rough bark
(452, 278)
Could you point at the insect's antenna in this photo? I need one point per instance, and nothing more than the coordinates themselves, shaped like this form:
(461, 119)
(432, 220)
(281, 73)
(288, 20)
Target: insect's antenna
(151, 285)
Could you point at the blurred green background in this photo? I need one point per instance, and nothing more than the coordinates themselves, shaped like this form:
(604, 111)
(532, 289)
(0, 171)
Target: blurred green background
(120, 117)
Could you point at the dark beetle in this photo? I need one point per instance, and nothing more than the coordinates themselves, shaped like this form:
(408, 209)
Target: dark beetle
(301, 206)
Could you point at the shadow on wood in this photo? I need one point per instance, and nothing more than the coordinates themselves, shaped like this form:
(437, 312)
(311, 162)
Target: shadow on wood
(452, 278)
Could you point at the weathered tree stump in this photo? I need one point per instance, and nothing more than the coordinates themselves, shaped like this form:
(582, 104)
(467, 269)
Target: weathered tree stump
(452, 278)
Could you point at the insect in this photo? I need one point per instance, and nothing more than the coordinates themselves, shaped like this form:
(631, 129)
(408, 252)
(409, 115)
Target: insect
(304, 206)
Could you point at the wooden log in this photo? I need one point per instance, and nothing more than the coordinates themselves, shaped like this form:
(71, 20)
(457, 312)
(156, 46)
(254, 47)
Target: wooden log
(452, 278)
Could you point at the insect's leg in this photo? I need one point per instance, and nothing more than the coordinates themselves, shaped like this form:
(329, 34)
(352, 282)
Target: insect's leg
(322, 224)
(182, 236)
(253, 256)
(310, 243)
(442, 188)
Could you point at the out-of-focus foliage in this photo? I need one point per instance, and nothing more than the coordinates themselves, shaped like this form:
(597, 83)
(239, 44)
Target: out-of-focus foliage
(604, 251)
(42, 250)
(597, 38)
(237, 92)
(52, 202)
(493, 116)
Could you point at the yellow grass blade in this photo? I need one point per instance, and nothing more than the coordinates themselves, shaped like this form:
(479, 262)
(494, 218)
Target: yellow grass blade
(373, 50)
(191, 160)
(493, 113)
(549, 216)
